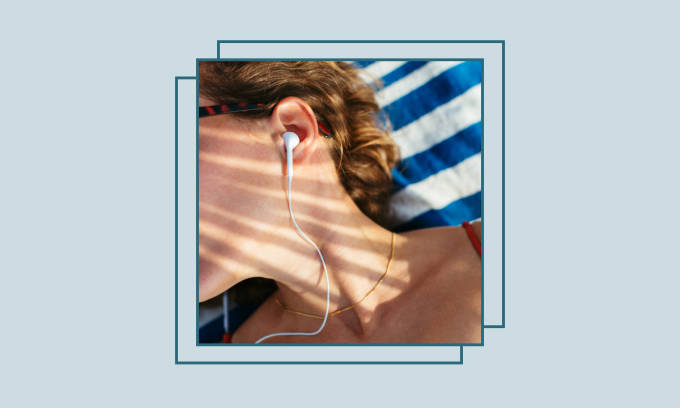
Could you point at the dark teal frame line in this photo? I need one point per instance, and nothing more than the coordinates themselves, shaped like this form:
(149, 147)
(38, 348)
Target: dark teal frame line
(177, 79)
(502, 42)
(459, 362)
(460, 345)
(502, 325)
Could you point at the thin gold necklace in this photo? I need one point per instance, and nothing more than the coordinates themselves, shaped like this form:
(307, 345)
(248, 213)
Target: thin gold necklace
(344, 309)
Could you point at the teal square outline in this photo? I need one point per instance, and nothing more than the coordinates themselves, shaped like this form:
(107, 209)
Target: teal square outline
(503, 297)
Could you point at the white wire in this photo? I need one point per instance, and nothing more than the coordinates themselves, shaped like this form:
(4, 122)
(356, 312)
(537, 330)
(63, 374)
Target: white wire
(328, 285)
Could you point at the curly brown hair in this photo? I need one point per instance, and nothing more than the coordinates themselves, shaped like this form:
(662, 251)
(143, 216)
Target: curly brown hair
(361, 146)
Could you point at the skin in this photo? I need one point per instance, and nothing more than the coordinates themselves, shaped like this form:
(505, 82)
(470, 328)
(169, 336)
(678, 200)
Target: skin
(431, 294)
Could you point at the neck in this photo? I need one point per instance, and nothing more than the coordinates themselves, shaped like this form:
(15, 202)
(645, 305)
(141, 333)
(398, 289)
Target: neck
(356, 252)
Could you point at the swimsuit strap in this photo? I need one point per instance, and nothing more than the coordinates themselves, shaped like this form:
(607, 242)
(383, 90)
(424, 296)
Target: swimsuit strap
(473, 237)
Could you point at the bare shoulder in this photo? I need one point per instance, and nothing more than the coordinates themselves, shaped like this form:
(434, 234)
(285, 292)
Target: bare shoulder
(446, 253)
(444, 246)
(447, 281)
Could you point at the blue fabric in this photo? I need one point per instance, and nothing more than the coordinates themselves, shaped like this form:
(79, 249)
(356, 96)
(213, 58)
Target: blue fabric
(436, 92)
(401, 72)
(454, 214)
(212, 332)
(440, 156)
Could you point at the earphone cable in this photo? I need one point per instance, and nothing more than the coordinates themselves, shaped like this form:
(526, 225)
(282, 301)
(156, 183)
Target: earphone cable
(323, 263)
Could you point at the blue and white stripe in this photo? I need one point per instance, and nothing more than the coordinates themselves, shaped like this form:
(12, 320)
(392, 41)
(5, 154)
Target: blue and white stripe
(435, 111)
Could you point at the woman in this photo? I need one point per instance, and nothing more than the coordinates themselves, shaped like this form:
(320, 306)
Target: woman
(415, 287)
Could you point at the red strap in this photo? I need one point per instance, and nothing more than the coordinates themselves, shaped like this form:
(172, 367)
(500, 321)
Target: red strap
(226, 338)
(473, 237)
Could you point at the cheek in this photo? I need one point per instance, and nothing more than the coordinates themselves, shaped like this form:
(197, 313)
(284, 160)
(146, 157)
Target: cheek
(239, 190)
(218, 168)
(240, 193)
(218, 235)
(238, 172)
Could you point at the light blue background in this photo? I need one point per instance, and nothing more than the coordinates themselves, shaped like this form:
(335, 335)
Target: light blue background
(86, 220)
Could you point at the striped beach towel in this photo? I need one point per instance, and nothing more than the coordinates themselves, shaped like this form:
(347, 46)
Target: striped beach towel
(435, 110)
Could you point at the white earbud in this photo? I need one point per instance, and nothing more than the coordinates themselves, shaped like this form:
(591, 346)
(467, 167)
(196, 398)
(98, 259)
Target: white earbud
(291, 140)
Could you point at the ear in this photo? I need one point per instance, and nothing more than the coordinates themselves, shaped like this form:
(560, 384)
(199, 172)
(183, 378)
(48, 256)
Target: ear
(293, 114)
